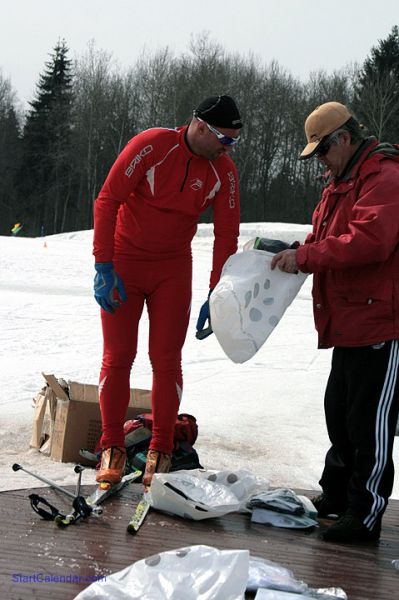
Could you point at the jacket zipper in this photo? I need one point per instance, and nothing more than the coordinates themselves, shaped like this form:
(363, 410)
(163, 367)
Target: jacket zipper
(186, 174)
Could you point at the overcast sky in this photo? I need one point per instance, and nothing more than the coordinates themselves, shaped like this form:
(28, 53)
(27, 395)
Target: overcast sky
(302, 35)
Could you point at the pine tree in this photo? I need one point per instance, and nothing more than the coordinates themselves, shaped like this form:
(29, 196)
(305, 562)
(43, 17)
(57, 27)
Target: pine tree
(46, 172)
(10, 150)
(376, 99)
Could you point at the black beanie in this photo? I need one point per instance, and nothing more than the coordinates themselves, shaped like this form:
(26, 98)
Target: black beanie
(219, 111)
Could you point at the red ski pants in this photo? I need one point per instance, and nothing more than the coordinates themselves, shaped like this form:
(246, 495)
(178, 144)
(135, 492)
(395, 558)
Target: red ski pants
(165, 287)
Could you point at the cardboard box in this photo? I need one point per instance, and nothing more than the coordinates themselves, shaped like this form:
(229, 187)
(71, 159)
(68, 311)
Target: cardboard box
(77, 421)
(45, 404)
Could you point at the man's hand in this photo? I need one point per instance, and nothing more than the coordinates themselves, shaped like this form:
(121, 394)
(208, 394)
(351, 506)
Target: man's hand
(106, 283)
(285, 261)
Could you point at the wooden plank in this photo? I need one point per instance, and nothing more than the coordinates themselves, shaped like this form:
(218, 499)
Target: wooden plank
(34, 548)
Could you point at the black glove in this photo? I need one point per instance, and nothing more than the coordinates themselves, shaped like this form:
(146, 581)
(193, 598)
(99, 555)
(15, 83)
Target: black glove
(274, 246)
(269, 245)
(204, 316)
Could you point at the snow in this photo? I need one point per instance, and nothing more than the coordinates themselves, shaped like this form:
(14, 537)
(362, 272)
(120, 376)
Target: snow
(265, 415)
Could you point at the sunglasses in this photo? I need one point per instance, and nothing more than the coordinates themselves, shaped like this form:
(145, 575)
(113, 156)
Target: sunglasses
(223, 139)
(325, 145)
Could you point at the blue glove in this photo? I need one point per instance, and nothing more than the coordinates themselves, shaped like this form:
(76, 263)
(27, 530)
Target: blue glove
(204, 316)
(106, 282)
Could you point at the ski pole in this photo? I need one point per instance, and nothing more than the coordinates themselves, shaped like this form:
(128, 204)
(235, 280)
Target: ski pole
(17, 467)
(79, 470)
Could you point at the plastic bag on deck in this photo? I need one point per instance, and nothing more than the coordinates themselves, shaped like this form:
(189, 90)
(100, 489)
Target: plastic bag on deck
(270, 517)
(265, 594)
(264, 573)
(195, 572)
(199, 494)
(280, 500)
(275, 582)
(310, 594)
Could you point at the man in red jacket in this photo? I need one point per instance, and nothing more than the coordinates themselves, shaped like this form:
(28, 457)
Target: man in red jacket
(353, 253)
(145, 217)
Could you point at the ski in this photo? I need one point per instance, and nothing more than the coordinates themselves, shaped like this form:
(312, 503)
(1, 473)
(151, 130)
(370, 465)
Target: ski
(140, 513)
(96, 498)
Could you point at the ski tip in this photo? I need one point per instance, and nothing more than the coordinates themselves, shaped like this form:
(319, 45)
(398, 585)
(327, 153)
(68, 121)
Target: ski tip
(131, 529)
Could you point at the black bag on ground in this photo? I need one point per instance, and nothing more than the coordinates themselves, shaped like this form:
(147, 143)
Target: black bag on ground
(185, 457)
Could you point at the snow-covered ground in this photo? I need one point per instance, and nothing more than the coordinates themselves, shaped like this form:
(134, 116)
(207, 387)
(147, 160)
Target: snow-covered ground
(265, 415)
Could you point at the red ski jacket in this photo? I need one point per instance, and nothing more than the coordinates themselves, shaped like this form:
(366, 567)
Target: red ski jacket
(149, 205)
(354, 252)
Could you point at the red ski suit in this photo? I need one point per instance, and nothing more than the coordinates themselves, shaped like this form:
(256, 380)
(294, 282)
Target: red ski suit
(145, 217)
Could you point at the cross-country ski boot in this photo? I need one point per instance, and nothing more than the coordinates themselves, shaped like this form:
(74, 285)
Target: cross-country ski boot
(156, 462)
(112, 466)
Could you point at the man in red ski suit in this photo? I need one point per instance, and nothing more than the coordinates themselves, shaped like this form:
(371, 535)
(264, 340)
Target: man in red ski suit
(145, 217)
(353, 253)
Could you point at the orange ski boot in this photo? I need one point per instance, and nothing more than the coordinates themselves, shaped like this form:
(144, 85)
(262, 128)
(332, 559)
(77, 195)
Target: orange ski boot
(112, 466)
(156, 462)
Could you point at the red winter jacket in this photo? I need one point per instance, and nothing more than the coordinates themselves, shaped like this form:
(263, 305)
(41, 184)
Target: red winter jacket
(150, 202)
(354, 253)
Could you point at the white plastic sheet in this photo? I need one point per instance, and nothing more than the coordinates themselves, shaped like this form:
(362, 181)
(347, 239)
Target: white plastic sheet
(265, 573)
(193, 573)
(199, 494)
(278, 595)
(249, 301)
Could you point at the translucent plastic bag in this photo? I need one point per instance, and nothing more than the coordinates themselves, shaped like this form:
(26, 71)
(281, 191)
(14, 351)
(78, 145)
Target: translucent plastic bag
(200, 494)
(263, 594)
(242, 482)
(265, 573)
(249, 301)
(270, 517)
(275, 582)
(281, 500)
(310, 594)
(193, 573)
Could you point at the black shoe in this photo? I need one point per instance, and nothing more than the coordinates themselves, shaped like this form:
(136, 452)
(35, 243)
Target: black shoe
(351, 529)
(326, 507)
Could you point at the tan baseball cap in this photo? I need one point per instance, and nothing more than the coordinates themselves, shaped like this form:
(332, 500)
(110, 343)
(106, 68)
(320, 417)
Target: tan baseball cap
(325, 119)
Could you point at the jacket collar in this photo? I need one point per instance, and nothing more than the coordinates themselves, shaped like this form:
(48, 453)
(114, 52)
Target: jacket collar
(357, 159)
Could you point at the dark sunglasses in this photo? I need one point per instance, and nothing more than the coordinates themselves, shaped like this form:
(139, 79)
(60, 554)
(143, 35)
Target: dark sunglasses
(223, 139)
(326, 144)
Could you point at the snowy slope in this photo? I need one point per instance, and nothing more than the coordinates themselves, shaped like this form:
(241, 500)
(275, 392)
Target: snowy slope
(265, 415)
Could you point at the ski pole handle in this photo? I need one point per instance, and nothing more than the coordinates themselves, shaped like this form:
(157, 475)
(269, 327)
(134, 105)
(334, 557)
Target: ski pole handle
(17, 467)
(79, 468)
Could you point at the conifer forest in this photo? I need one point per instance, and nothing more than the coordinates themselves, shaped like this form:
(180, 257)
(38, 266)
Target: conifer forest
(56, 152)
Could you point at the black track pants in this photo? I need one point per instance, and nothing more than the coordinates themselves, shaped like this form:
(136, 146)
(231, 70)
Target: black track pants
(361, 407)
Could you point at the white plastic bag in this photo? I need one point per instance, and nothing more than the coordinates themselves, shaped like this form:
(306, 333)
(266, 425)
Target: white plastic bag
(190, 497)
(265, 573)
(263, 594)
(193, 573)
(249, 301)
(199, 494)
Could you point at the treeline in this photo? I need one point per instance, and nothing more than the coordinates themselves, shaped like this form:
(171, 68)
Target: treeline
(55, 157)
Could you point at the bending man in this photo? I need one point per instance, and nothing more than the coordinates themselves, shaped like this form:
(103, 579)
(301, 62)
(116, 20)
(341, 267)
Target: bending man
(145, 217)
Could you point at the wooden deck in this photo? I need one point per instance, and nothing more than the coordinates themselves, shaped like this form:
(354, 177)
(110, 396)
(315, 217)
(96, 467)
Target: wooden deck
(101, 545)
